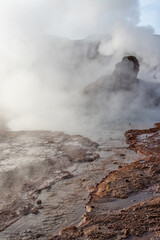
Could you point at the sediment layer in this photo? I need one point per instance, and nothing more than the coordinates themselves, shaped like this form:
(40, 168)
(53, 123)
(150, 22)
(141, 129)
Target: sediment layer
(126, 203)
(31, 162)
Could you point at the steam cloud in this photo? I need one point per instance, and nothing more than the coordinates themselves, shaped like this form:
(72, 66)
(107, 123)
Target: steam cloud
(47, 58)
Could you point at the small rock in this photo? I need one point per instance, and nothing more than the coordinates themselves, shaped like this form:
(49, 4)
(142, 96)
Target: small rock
(88, 208)
(122, 155)
(38, 235)
(35, 211)
(119, 166)
(39, 202)
(115, 162)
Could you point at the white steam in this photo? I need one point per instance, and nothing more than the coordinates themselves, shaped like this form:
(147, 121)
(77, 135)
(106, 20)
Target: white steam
(130, 39)
(42, 71)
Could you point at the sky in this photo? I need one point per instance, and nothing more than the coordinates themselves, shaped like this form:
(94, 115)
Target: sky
(150, 10)
(74, 19)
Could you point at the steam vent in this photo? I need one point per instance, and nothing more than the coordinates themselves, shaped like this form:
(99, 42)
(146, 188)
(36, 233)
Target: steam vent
(124, 77)
(79, 120)
(122, 82)
(125, 73)
(59, 186)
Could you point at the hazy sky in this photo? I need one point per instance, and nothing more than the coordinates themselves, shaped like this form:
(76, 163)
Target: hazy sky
(74, 18)
(150, 13)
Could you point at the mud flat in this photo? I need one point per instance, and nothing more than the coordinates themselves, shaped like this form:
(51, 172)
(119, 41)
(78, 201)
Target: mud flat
(126, 203)
(46, 178)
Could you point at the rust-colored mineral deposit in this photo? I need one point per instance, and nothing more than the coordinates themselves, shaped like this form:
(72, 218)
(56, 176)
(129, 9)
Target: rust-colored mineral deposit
(126, 203)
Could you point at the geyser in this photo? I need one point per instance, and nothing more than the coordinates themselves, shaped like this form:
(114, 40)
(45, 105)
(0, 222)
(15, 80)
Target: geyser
(42, 72)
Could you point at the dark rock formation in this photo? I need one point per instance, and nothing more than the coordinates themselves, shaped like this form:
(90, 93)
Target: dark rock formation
(125, 73)
(124, 77)
(123, 80)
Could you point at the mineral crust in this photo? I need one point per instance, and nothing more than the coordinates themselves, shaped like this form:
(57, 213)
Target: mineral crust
(126, 203)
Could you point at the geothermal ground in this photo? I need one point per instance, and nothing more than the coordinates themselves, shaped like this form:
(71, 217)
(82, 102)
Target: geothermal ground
(54, 183)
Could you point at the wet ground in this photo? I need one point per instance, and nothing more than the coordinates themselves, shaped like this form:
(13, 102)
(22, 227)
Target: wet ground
(46, 178)
(126, 203)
